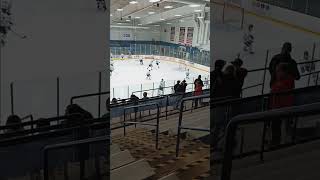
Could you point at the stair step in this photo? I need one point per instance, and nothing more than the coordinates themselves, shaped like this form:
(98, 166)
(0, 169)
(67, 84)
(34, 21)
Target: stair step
(121, 158)
(137, 170)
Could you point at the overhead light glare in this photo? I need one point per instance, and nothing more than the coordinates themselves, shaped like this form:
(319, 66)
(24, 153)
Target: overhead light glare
(194, 5)
(133, 2)
(168, 7)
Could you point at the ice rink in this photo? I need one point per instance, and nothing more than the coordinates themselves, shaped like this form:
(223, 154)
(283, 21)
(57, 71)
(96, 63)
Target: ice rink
(129, 77)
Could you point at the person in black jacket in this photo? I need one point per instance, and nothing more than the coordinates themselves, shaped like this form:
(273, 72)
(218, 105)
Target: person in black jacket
(176, 87)
(284, 57)
(216, 78)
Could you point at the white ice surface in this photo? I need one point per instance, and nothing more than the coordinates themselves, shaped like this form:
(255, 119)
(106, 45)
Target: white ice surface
(129, 73)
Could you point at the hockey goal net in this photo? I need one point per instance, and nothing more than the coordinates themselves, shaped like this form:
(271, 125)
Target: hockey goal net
(227, 13)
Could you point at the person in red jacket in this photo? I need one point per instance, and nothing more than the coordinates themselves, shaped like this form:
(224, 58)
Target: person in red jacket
(284, 81)
(198, 91)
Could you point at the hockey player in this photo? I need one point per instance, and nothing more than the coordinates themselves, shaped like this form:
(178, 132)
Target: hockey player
(161, 87)
(122, 57)
(187, 74)
(141, 61)
(150, 66)
(158, 63)
(248, 40)
(148, 75)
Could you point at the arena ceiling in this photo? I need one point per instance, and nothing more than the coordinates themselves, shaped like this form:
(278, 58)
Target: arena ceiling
(151, 12)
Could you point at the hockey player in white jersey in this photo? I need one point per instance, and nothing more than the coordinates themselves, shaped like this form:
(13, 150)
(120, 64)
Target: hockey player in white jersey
(158, 64)
(187, 74)
(248, 40)
(161, 87)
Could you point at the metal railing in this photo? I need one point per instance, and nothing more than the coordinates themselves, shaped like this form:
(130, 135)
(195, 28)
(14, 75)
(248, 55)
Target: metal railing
(72, 144)
(142, 123)
(180, 127)
(266, 68)
(91, 95)
(295, 111)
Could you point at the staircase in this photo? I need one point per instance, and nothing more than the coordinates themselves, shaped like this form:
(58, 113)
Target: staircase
(193, 161)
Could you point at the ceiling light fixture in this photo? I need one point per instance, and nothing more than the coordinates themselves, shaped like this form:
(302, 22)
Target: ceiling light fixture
(119, 9)
(194, 5)
(139, 24)
(178, 15)
(168, 23)
(151, 12)
(168, 7)
(153, 1)
(198, 10)
(137, 17)
(161, 19)
(128, 20)
(133, 2)
(119, 23)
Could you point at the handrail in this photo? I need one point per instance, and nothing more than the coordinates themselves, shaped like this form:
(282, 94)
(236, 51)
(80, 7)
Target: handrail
(143, 105)
(67, 145)
(180, 127)
(293, 91)
(87, 95)
(265, 69)
(93, 124)
(295, 111)
(93, 94)
(49, 128)
(58, 118)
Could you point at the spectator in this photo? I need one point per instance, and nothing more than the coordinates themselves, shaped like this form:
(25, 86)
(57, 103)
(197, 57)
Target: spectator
(216, 79)
(200, 81)
(284, 57)
(198, 92)
(240, 72)
(14, 119)
(114, 101)
(230, 86)
(145, 96)
(176, 87)
(135, 100)
(82, 152)
(183, 87)
(76, 109)
(283, 81)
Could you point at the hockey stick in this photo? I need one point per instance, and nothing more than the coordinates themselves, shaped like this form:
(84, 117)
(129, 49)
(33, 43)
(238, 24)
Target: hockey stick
(22, 36)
